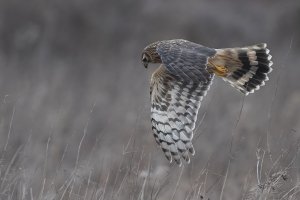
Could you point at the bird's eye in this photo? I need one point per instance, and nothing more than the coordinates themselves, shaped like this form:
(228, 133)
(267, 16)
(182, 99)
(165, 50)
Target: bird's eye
(144, 58)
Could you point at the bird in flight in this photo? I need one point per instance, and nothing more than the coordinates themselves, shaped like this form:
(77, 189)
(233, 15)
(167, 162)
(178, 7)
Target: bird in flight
(179, 84)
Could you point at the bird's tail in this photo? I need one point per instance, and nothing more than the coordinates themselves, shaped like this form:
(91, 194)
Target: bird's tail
(244, 68)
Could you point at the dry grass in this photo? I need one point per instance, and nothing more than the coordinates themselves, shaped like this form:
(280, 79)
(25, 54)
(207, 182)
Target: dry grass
(135, 178)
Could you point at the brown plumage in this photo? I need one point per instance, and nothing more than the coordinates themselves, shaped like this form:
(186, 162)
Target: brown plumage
(182, 80)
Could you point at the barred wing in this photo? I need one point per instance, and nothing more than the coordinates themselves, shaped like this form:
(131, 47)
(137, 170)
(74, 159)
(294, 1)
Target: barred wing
(175, 104)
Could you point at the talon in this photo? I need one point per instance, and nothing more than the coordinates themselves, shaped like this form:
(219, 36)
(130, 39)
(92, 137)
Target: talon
(220, 70)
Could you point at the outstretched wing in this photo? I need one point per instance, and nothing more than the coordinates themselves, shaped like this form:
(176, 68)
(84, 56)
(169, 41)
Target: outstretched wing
(175, 104)
(177, 89)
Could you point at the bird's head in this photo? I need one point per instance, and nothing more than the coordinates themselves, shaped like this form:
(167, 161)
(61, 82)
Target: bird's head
(150, 55)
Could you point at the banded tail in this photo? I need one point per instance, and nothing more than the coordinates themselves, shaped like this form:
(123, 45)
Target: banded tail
(246, 68)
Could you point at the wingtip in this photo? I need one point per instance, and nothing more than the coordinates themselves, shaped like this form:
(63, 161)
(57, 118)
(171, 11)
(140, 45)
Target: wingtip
(178, 162)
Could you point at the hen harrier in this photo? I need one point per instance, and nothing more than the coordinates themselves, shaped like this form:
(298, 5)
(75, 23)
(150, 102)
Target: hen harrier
(182, 80)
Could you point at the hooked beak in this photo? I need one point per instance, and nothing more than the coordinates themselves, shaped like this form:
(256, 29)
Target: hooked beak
(145, 60)
(145, 64)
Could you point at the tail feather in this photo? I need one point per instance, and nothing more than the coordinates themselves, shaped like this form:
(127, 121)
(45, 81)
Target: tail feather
(244, 68)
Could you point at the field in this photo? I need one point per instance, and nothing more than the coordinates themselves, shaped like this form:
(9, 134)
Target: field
(75, 107)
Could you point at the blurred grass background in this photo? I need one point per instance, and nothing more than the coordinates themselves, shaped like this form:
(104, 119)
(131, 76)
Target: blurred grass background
(75, 108)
